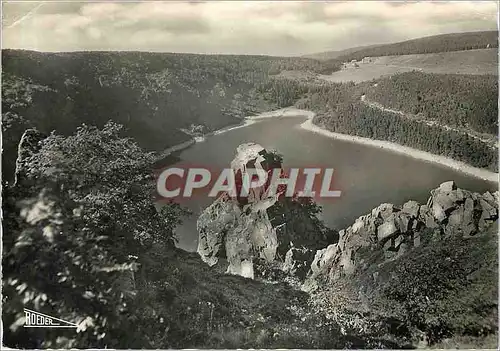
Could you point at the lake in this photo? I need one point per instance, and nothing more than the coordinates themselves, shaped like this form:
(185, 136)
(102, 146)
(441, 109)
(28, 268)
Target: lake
(366, 175)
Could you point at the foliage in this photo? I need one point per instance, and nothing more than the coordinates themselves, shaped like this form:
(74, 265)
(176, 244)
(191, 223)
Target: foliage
(453, 290)
(152, 94)
(81, 220)
(297, 220)
(452, 296)
(79, 223)
(359, 119)
(453, 111)
(454, 100)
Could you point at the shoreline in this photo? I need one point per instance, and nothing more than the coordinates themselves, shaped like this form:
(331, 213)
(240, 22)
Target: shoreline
(179, 147)
(308, 125)
(199, 139)
(386, 145)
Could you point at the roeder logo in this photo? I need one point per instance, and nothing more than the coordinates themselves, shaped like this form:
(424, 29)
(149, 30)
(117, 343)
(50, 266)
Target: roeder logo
(184, 182)
(39, 320)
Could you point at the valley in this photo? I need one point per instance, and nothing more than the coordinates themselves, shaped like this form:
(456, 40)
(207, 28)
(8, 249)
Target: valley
(366, 171)
(406, 257)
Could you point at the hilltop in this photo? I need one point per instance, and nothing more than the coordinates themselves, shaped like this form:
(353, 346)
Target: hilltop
(474, 62)
(328, 55)
(425, 45)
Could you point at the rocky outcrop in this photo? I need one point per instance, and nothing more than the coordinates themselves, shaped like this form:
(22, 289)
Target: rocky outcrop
(298, 262)
(237, 228)
(388, 231)
(236, 231)
(28, 145)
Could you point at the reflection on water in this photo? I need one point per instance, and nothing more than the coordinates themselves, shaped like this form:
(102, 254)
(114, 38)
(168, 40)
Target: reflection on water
(367, 176)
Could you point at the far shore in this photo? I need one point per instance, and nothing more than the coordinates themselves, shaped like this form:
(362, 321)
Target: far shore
(393, 147)
(310, 126)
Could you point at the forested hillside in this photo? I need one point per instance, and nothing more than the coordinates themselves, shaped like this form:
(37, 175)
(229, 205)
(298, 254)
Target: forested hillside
(151, 94)
(448, 108)
(462, 101)
(432, 44)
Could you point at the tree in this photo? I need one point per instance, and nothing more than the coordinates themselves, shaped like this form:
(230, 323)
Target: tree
(80, 222)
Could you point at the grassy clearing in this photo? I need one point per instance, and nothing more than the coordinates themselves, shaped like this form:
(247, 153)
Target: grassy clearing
(476, 62)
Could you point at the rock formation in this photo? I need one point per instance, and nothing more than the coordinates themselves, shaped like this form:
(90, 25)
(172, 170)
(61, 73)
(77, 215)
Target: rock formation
(28, 145)
(239, 233)
(236, 231)
(388, 231)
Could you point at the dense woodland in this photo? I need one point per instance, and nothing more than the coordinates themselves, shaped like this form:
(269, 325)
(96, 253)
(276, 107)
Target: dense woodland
(462, 101)
(155, 95)
(427, 45)
(455, 100)
(152, 95)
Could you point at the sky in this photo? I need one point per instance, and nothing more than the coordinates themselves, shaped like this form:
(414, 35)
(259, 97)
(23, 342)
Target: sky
(282, 28)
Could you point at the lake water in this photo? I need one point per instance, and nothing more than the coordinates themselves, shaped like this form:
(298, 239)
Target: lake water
(366, 175)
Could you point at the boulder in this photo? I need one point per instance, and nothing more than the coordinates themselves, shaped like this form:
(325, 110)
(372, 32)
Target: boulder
(403, 248)
(390, 253)
(490, 199)
(213, 225)
(403, 221)
(383, 211)
(447, 186)
(489, 210)
(469, 230)
(387, 233)
(387, 229)
(324, 258)
(443, 200)
(397, 241)
(416, 239)
(438, 212)
(125, 283)
(426, 217)
(442, 204)
(489, 213)
(457, 195)
(411, 207)
(456, 218)
(388, 245)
